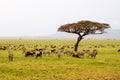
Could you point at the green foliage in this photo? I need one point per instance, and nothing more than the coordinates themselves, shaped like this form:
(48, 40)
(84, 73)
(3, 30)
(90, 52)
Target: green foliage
(84, 27)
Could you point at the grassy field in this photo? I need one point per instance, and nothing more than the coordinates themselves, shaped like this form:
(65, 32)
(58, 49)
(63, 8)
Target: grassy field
(106, 65)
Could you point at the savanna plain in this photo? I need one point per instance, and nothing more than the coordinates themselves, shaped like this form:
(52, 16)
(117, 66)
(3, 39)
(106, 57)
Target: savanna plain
(106, 65)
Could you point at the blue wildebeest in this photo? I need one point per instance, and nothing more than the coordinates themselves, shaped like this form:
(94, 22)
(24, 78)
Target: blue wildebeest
(39, 54)
(118, 50)
(29, 53)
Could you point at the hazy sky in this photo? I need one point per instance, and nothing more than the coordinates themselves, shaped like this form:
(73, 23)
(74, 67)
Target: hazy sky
(43, 17)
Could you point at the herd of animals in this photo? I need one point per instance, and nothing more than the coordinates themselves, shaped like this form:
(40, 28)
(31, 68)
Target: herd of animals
(53, 50)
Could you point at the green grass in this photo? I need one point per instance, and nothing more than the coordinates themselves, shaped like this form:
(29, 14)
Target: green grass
(106, 66)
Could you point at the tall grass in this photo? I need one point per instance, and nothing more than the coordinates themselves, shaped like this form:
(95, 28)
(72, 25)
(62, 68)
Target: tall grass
(106, 66)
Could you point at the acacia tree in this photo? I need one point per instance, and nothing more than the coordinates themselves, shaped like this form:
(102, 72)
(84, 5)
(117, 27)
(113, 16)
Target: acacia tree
(83, 28)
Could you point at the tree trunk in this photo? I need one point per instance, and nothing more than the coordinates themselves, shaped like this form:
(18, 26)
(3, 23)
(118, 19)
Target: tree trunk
(76, 44)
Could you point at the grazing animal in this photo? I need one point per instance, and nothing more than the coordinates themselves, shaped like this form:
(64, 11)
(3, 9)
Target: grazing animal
(41, 49)
(47, 52)
(53, 46)
(67, 52)
(29, 53)
(3, 47)
(75, 55)
(93, 54)
(118, 50)
(81, 54)
(10, 56)
(59, 54)
(53, 51)
(39, 54)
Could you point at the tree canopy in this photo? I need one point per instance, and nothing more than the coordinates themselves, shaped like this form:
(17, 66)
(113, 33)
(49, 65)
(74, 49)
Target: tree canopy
(83, 28)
